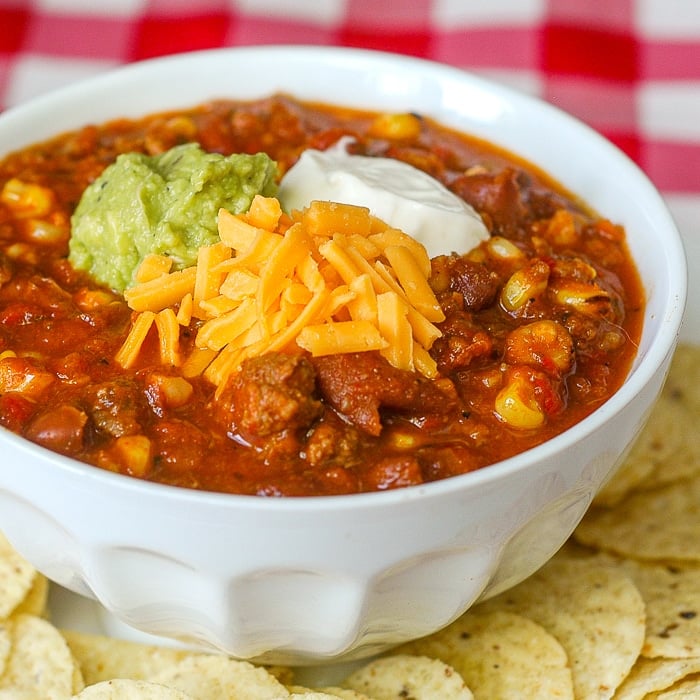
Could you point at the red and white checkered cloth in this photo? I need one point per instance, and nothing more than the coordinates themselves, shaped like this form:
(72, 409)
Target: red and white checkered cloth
(629, 68)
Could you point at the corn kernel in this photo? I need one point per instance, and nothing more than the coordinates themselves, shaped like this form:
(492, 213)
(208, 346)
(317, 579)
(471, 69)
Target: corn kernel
(92, 299)
(517, 406)
(561, 229)
(134, 451)
(45, 232)
(523, 285)
(504, 249)
(174, 391)
(22, 252)
(578, 294)
(27, 199)
(396, 127)
(403, 441)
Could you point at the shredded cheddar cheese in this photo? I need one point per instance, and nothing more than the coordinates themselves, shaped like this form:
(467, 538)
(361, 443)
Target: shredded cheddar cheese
(330, 279)
(129, 351)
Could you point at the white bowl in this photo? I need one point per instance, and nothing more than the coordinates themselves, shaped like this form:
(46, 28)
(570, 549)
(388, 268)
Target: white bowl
(303, 580)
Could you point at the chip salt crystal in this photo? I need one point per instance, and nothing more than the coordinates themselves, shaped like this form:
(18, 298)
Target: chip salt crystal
(394, 191)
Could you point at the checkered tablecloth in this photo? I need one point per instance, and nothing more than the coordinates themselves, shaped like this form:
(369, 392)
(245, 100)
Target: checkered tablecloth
(630, 68)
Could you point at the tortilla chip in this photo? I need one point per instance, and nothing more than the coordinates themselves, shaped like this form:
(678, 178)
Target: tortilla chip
(16, 578)
(211, 677)
(652, 675)
(103, 658)
(673, 423)
(685, 689)
(629, 475)
(575, 550)
(313, 695)
(672, 599)
(5, 646)
(332, 691)
(406, 676)
(666, 450)
(684, 376)
(345, 693)
(40, 663)
(36, 600)
(657, 525)
(127, 689)
(500, 654)
(595, 612)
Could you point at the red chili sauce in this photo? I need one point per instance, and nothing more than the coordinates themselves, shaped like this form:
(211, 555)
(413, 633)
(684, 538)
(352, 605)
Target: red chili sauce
(542, 324)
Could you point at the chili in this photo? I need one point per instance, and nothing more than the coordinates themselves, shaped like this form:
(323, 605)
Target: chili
(542, 322)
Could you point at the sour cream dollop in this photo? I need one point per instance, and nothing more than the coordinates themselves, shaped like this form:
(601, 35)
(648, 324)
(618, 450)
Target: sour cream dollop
(398, 193)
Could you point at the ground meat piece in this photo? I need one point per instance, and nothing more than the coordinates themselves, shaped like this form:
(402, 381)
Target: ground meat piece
(337, 480)
(270, 394)
(498, 195)
(543, 203)
(358, 385)
(332, 441)
(114, 407)
(180, 444)
(393, 472)
(477, 284)
(442, 461)
(474, 282)
(419, 158)
(461, 343)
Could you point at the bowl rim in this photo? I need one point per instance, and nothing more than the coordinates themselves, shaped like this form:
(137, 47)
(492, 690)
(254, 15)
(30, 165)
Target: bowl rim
(641, 372)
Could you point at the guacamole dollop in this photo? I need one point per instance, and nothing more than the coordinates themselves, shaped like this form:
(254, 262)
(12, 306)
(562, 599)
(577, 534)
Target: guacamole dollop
(165, 204)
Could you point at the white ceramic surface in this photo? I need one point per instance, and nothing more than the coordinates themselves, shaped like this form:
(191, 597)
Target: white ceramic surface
(310, 580)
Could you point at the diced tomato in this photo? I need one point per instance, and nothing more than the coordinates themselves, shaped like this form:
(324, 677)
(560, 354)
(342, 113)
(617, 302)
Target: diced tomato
(15, 410)
(20, 314)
